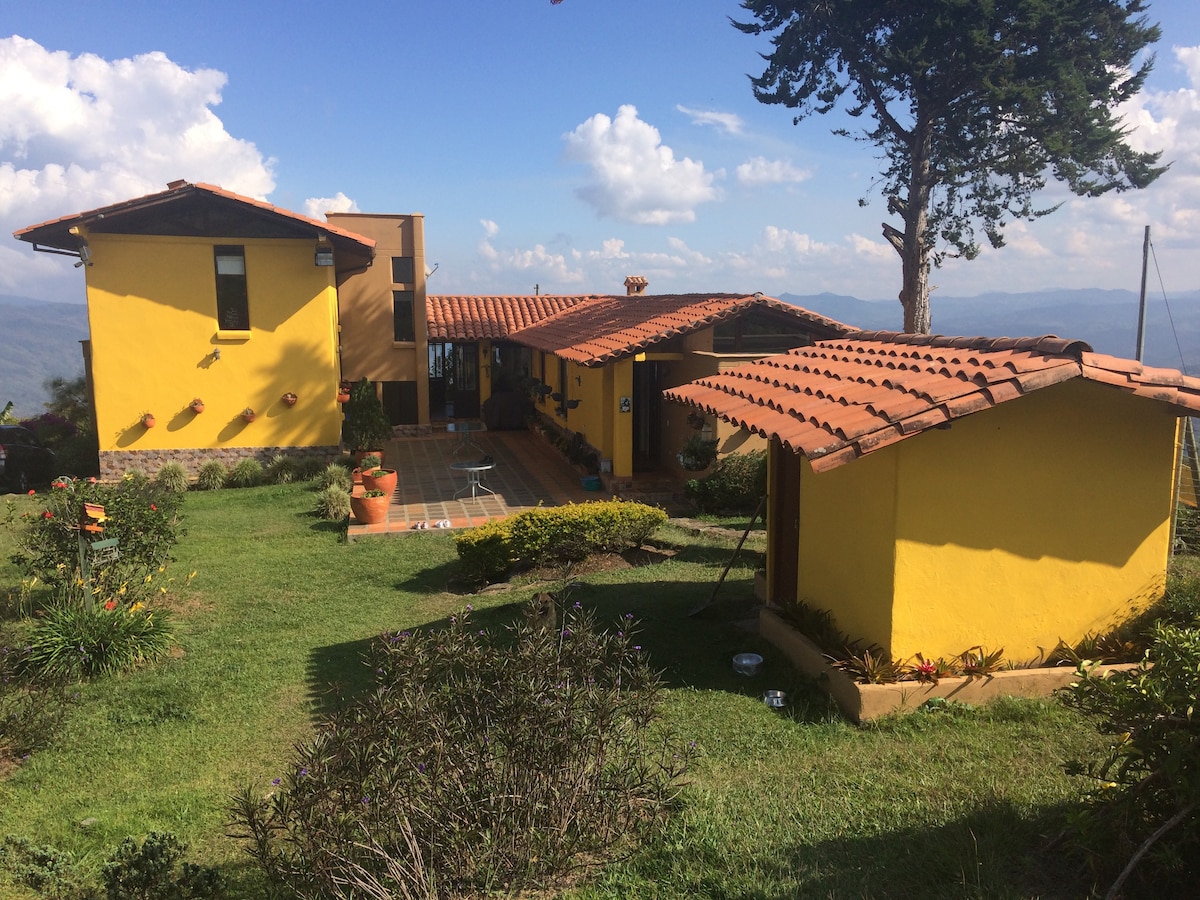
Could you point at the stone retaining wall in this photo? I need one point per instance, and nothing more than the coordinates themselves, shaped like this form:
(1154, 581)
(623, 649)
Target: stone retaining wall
(115, 463)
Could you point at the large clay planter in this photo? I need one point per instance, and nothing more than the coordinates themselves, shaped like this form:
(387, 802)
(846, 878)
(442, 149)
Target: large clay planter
(370, 510)
(380, 480)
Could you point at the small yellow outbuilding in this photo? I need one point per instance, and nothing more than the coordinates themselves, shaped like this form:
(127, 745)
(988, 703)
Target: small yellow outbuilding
(1003, 493)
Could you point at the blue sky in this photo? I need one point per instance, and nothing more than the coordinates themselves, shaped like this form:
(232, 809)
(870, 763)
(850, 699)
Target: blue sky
(559, 146)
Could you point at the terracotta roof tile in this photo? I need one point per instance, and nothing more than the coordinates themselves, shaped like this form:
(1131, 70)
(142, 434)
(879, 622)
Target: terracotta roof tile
(595, 329)
(841, 398)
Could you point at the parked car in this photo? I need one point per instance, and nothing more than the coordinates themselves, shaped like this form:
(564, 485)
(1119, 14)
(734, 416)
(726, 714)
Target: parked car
(24, 460)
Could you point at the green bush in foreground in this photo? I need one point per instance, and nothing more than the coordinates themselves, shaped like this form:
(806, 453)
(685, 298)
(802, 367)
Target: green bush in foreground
(172, 477)
(245, 473)
(333, 503)
(475, 765)
(335, 475)
(1144, 812)
(557, 534)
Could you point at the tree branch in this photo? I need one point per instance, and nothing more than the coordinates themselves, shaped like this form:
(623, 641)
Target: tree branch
(1115, 891)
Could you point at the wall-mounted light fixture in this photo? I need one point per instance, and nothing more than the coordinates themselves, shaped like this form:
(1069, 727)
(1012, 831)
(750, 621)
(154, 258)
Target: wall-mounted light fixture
(85, 256)
(323, 255)
(216, 353)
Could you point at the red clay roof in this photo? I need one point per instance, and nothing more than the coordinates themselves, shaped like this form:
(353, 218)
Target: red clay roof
(840, 399)
(55, 232)
(477, 318)
(593, 330)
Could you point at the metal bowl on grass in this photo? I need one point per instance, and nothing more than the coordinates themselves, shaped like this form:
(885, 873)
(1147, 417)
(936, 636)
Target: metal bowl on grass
(775, 699)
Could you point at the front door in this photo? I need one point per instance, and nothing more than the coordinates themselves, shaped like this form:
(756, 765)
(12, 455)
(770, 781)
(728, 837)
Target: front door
(453, 381)
(647, 416)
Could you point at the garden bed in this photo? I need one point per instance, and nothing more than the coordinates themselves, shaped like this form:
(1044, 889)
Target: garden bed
(864, 702)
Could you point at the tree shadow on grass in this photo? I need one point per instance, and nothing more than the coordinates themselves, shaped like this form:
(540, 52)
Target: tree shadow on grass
(693, 652)
(994, 851)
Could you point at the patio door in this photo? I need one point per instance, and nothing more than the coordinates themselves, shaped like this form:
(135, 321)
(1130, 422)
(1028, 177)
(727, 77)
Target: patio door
(647, 416)
(453, 381)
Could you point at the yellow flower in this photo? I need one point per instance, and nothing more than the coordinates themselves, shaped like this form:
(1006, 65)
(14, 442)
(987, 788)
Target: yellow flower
(137, 606)
(149, 578)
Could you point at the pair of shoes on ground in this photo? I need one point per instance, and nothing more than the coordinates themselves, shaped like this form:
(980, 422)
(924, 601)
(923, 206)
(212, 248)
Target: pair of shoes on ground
(422, 525)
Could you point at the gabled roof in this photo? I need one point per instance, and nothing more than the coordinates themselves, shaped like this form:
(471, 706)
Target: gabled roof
(837, 400)
(476, 318)
(199, 210)
(593, 330)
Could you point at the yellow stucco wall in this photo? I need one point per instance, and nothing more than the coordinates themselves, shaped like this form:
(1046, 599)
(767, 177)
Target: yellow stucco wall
(152, 313)
(847, 536)
(1068, 532)
(1046, 517)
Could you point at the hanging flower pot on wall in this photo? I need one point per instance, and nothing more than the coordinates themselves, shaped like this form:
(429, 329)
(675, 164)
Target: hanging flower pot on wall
(289, 398)
(343, 397)
(248, 415)
(197, 405)
(148, 420)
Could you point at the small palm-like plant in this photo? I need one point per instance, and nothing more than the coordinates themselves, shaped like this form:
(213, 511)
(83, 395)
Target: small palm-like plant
(245, 473)
(212, 475)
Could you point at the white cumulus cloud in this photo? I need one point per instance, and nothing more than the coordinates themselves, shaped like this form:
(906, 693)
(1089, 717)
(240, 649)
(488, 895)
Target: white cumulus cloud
(79, 132)
(759, 170)
(633, 175)
(316, 207)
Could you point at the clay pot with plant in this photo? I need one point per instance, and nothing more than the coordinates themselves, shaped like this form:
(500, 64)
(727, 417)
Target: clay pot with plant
(370, 507)
(196, 406)
(248, 415)
(380, 480)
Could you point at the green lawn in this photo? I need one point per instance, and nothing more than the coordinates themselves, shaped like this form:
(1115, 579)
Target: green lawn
(959, 804)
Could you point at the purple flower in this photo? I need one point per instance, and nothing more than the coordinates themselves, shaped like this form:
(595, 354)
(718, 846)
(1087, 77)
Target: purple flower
(275, 781)
(421, 768)
(628, 615)
(366, 801)
(304, 772)
(637, 646)
(470, 607)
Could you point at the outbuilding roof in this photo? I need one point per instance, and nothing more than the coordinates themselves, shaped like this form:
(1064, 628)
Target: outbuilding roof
(593, 330)
(837, 400)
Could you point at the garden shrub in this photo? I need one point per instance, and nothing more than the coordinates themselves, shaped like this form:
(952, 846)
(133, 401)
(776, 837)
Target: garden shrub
(44, 869)
(483, 552)
(333, 503)
(152, 870)
(282, 469)
(308, 468)
(212, 476)
(173, 477)
(555, 534)
(735, 485)
(1145, 790)
(245, 473)
(141, 515)
(336, 475)
(477, 764)
(72, 640)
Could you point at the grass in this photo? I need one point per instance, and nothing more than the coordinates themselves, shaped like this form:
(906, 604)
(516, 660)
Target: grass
(959, 803)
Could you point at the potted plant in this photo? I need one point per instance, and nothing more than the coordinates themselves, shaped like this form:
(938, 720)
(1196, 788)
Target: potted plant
(370, 507)
(148, 420)
(343, 392)
(380, 479)
(197, 406)
(248, 414)
(366, 429)
(370, 462)
(697, 453)
(290, 399)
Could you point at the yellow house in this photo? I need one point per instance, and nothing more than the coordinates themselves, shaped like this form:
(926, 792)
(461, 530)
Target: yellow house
(199, 294)
(598, 364)
(936, 494)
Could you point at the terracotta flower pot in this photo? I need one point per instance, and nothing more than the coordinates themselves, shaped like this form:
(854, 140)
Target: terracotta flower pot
(248, 415)
(380, 480)
(290, 399)
(148, 421)
(197, 406)
(370, 510)
(343, 397)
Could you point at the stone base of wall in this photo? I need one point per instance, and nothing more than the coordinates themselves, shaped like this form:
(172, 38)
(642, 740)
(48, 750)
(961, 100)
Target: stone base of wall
(115, 463)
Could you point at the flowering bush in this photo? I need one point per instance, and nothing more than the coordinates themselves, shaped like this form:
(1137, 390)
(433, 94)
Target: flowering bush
(484, 763)
(72, 641)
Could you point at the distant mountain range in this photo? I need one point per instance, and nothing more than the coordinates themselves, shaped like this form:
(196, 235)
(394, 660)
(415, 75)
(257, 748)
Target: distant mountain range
(1108, 320)
(40, 340)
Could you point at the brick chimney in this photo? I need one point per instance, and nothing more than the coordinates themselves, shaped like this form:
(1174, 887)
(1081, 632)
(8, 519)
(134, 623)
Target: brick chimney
(634, 285)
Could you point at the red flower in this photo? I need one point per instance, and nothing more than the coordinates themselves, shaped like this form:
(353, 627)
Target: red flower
(111, 604)
(92, 480)
(47, 515)
(153, 508)
(32, 492)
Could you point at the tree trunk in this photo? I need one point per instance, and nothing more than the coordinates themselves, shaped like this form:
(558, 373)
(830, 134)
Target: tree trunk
(912, 243)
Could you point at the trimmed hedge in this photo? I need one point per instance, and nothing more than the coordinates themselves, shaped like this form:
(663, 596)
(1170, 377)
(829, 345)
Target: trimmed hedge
(562, 533)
